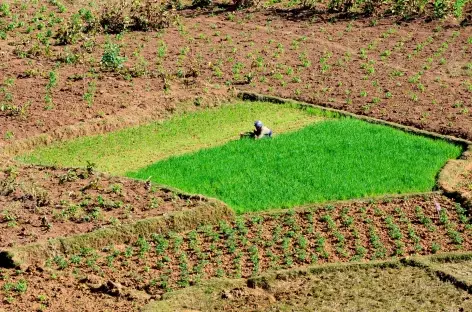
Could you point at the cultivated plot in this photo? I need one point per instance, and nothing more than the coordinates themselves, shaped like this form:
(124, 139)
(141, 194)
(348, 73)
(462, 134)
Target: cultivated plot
(94, 241)
(133, 148)
(328, 159)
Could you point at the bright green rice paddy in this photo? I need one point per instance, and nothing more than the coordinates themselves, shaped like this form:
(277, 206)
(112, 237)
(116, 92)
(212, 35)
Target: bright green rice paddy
(133, 148)
(329, 160)
(326, 159)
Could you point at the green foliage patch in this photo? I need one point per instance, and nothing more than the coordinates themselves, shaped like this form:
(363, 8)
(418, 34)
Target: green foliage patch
(133, 148)
(329, 160)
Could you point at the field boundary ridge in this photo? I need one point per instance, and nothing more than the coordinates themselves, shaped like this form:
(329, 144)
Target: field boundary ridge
(210, 211)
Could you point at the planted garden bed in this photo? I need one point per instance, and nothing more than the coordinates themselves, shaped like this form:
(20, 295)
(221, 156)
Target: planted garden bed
(254, 243)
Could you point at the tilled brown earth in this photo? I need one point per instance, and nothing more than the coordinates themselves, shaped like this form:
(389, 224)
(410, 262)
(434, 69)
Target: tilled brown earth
(145, 269)
(37, 203)
(414, 73)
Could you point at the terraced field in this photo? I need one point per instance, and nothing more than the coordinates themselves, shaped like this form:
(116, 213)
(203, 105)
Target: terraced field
(331, 158)
(124, 185)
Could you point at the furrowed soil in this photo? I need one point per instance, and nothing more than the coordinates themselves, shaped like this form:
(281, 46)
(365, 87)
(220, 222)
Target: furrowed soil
(414, 73)
(145, 269)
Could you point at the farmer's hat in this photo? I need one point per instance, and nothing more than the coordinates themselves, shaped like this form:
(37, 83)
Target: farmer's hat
(258, 124)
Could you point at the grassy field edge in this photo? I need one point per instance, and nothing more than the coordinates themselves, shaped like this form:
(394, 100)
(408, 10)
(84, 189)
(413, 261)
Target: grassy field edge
(449, 178)
(430, 264)
(366, 200)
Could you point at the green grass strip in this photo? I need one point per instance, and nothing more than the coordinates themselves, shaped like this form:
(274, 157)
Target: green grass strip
(329, 160)
(134, 148)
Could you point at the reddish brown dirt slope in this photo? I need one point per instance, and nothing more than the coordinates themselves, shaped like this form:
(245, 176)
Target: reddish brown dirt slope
(414, 73)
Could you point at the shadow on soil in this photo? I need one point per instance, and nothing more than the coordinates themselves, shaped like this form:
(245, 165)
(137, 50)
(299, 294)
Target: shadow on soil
(321, 15)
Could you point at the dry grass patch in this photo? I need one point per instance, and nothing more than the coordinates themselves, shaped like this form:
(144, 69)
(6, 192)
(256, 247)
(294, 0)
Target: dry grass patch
(367, 289)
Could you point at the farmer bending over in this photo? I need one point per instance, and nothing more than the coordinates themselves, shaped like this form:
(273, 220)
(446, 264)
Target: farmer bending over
(259, 132)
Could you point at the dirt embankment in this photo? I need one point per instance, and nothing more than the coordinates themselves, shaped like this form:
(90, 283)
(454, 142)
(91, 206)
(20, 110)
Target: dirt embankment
(456, 178)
